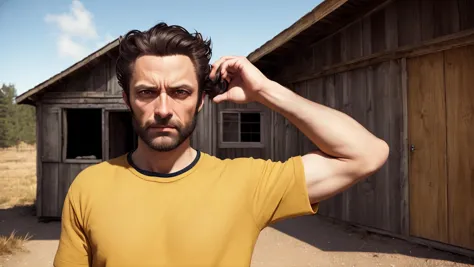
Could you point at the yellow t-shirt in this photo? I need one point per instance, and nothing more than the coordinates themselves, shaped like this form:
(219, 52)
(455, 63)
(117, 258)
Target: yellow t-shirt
(208, 214)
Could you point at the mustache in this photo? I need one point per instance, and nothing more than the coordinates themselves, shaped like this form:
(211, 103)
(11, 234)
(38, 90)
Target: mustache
(161, 122)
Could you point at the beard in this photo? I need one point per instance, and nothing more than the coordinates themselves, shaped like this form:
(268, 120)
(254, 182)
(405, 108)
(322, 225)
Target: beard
(164, 141)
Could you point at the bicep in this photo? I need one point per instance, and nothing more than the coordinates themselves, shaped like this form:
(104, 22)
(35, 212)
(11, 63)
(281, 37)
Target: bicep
(327, 176)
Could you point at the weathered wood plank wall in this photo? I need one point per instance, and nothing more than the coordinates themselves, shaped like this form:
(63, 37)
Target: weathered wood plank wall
(98, 76)
(400, 23)
(376, 201)
(371, 94)
(204, 137)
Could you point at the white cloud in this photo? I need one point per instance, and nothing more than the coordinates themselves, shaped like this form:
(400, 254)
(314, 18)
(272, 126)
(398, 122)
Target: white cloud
(76, 29)
(69, 48)
(77, 23)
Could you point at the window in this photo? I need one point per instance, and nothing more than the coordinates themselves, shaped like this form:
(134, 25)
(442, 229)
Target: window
(241, 129)
(82, 134)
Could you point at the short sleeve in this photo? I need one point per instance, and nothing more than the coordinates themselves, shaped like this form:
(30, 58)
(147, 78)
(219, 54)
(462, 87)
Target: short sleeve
(280, 191)
(73, 249)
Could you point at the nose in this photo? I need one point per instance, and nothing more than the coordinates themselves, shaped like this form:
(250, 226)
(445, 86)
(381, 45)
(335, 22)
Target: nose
(162, 106)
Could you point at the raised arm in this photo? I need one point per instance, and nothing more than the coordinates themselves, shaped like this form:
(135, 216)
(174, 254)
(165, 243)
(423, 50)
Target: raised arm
(348, 152)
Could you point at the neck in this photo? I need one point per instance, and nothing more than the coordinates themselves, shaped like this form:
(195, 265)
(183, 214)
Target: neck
(151, 160)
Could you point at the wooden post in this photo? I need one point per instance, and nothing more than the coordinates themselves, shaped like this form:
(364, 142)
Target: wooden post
(405, 197)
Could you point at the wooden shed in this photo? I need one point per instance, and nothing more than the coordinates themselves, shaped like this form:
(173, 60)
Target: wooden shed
(403, 68)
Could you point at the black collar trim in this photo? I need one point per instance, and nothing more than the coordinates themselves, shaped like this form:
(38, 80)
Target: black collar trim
(166, 175)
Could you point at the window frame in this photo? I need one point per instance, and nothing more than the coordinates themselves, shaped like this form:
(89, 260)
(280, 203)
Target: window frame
(240, 144)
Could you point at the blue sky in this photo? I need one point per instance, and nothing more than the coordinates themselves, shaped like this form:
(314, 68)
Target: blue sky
(41, 38)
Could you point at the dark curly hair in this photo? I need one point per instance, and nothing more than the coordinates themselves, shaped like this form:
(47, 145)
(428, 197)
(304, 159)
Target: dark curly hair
(163, 40)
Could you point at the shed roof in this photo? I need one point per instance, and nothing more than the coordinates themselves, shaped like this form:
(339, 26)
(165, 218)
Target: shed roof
(28, 96)
(324, 19)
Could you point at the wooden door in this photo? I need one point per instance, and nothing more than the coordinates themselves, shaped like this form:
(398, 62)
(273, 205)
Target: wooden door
(50, 159)
(441, 129)
(460, 139)
(427, 135)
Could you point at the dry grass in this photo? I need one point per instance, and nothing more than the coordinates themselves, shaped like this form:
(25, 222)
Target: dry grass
(13, 243)
(17, 188)
(17, 177)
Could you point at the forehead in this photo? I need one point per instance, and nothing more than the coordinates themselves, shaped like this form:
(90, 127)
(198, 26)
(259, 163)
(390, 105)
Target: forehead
(164, 70)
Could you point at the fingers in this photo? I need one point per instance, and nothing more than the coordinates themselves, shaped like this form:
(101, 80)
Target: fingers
(229, 67)
(218, 63)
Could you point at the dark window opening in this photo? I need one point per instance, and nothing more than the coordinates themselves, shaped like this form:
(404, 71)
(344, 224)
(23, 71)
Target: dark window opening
(84, 134)
(250, 127)
(241, 127)
(122, 137)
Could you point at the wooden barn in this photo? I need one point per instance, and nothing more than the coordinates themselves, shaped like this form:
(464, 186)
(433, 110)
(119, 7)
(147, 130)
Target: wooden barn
(403, 68)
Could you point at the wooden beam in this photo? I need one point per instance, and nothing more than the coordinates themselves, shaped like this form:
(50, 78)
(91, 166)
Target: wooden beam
(64, 133)
(405, 197)
(318, 13)
(104, 128)
(39, 162)
(84, 101)
(89, 94)
(459, 39)
(108, 106)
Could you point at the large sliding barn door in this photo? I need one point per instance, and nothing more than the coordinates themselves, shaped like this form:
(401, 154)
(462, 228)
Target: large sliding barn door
(441, 131)
(459, 65)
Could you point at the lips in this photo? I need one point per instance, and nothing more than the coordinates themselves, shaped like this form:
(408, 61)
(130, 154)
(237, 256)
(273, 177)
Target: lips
(162, 127)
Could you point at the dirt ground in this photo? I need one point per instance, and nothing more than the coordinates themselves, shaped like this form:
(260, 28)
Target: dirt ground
(305, 241)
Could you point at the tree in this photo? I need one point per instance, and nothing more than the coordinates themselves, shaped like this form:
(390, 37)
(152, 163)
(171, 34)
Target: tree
(17, 122)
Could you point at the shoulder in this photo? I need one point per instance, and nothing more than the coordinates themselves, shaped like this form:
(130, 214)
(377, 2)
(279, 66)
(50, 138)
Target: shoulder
(255, 166)
(94, 175)
(214, 161)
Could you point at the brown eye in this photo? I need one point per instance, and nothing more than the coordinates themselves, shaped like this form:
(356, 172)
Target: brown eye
(146, 93)
(181, 93)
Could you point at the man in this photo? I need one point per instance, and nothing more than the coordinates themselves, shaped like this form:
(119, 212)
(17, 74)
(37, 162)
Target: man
(167, 204)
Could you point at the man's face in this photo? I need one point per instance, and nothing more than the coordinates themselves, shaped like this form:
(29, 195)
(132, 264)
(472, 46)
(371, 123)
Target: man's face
(163, 100)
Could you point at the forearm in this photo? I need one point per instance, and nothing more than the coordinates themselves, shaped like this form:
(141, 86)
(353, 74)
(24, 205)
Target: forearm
(334, 132)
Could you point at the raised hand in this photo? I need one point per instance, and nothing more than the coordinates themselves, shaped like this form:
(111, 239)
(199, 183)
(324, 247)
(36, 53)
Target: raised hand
(245, 80)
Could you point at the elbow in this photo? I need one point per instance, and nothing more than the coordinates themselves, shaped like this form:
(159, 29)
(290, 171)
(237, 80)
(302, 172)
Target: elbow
(374, 159)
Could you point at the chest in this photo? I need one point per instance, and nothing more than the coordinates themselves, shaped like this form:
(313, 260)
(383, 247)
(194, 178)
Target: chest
(159, 226)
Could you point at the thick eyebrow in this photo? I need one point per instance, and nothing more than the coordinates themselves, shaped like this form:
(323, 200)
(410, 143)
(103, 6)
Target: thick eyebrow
(181, 85)
(144, 87)
(152, 87)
